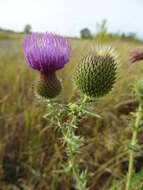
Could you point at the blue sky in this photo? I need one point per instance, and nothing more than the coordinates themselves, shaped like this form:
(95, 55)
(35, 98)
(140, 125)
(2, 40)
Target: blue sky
(67, 17)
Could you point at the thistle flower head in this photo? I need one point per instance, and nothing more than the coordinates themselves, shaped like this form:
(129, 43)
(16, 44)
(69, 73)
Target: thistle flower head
(96, 74)
(46, 52)
(136, 55)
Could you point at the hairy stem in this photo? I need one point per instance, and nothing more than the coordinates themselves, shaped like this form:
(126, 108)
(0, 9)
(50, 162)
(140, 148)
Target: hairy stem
(133, 143)
(76, 173)
(72, 153)
(73, 143)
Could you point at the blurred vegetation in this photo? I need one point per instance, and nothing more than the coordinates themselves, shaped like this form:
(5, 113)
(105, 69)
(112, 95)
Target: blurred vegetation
(30, 148)
(5, 35)
(27, 28)
(85, 33)
(102, 34)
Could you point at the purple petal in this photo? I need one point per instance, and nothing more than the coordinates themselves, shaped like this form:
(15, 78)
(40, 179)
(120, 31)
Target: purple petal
(46, 52)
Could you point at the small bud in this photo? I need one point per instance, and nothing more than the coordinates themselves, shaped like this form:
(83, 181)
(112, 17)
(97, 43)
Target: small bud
(96, 74)
(136, 55)
(48, 86)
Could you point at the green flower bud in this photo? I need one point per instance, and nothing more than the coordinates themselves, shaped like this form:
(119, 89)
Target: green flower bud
(96, 74)
(48, 86)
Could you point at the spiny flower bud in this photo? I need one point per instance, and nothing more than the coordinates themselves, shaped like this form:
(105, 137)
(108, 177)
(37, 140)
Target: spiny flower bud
(96, 74)
(48, 86)
(136, 55)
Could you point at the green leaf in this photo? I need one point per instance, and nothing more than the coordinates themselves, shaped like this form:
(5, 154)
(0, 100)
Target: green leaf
(92, 113)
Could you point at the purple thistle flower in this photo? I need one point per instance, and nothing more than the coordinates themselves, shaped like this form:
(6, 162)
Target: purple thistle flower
(136, 55)
(46, 52)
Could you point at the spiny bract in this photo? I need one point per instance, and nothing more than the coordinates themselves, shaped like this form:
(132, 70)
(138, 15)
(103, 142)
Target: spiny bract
(48, 86)
(96, 74)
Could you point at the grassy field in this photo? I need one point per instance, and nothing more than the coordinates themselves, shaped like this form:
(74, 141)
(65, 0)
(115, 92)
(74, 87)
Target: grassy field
(30, 149)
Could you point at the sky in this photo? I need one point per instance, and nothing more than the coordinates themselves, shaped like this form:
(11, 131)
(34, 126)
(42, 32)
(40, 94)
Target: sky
(68, 17)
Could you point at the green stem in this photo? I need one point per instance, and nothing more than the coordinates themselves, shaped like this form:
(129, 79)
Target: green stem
(133, 143)
(69, 133)
(76, 173)
(72, 156)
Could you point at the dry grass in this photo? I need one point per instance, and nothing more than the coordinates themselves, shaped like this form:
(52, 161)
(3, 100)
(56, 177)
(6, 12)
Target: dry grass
(30, 154)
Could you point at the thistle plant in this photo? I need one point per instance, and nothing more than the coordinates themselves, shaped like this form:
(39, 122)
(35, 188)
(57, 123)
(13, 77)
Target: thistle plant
(94, 77)
(134, 146)
(136, 55)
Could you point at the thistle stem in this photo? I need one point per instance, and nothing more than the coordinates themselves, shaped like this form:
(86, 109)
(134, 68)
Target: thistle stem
(76, 172)
(72, 142)
(133, 143)
(72, 155)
